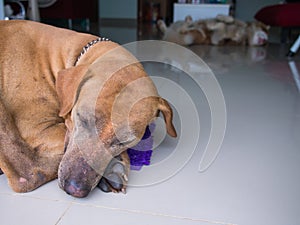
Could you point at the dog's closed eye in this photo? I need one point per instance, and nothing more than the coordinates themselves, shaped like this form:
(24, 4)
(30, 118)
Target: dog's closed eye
(122, 142)
(83, 120)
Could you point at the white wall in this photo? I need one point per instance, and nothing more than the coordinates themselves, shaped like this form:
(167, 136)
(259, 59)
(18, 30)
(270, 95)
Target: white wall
(246, 9)
(120, 9)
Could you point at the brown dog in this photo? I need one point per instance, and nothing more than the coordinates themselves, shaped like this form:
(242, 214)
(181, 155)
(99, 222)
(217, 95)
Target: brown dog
(221, 30)
(68, 114)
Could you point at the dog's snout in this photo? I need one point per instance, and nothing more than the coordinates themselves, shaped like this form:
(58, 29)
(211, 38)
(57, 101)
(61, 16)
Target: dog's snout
(76, 189)
(77, 178)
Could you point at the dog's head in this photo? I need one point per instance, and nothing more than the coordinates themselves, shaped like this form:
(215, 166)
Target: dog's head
(107, 106)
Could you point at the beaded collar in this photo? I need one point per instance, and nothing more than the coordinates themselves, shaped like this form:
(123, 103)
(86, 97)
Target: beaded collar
(88, 46)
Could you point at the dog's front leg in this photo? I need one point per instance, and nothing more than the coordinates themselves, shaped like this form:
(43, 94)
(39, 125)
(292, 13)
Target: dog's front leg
(116, 174)
(19, 162)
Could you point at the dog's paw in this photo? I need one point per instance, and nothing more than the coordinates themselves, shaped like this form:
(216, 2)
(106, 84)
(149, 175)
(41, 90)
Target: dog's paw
(116, 175)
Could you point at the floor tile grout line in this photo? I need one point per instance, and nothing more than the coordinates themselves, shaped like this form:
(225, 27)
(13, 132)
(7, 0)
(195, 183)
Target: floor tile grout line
(36, 197)
(153, 214)
(72, 203)
(64, 213)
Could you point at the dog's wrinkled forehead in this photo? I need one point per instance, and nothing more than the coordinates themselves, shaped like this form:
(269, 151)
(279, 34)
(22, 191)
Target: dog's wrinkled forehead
(115, 85)
(118, 65)
(116, 95)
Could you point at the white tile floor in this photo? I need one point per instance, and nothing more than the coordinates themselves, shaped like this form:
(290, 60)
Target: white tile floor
(254, 179)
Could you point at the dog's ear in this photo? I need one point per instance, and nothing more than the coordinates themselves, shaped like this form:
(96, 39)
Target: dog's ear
(167, 112)
(67, 83)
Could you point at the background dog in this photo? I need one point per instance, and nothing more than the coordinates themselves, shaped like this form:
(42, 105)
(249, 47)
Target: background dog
(217, 31)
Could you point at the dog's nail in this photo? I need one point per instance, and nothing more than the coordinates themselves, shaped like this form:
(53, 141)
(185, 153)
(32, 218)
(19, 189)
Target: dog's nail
(123, 190)
(125, 177)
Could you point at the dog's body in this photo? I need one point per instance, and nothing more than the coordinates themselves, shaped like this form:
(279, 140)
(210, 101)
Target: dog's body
(44, 96)
(216, 31)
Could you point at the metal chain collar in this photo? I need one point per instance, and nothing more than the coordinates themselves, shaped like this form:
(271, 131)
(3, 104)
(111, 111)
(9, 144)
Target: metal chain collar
(88, 46)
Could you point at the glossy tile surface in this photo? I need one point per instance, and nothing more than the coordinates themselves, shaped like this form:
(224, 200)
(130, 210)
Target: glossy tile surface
(254, 178)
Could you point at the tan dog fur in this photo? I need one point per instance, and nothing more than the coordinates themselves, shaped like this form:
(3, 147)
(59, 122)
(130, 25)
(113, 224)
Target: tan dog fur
(216, 31)
(44, 96)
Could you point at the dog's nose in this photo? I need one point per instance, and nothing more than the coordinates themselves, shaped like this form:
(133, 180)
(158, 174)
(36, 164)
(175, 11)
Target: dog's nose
(76, 189)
